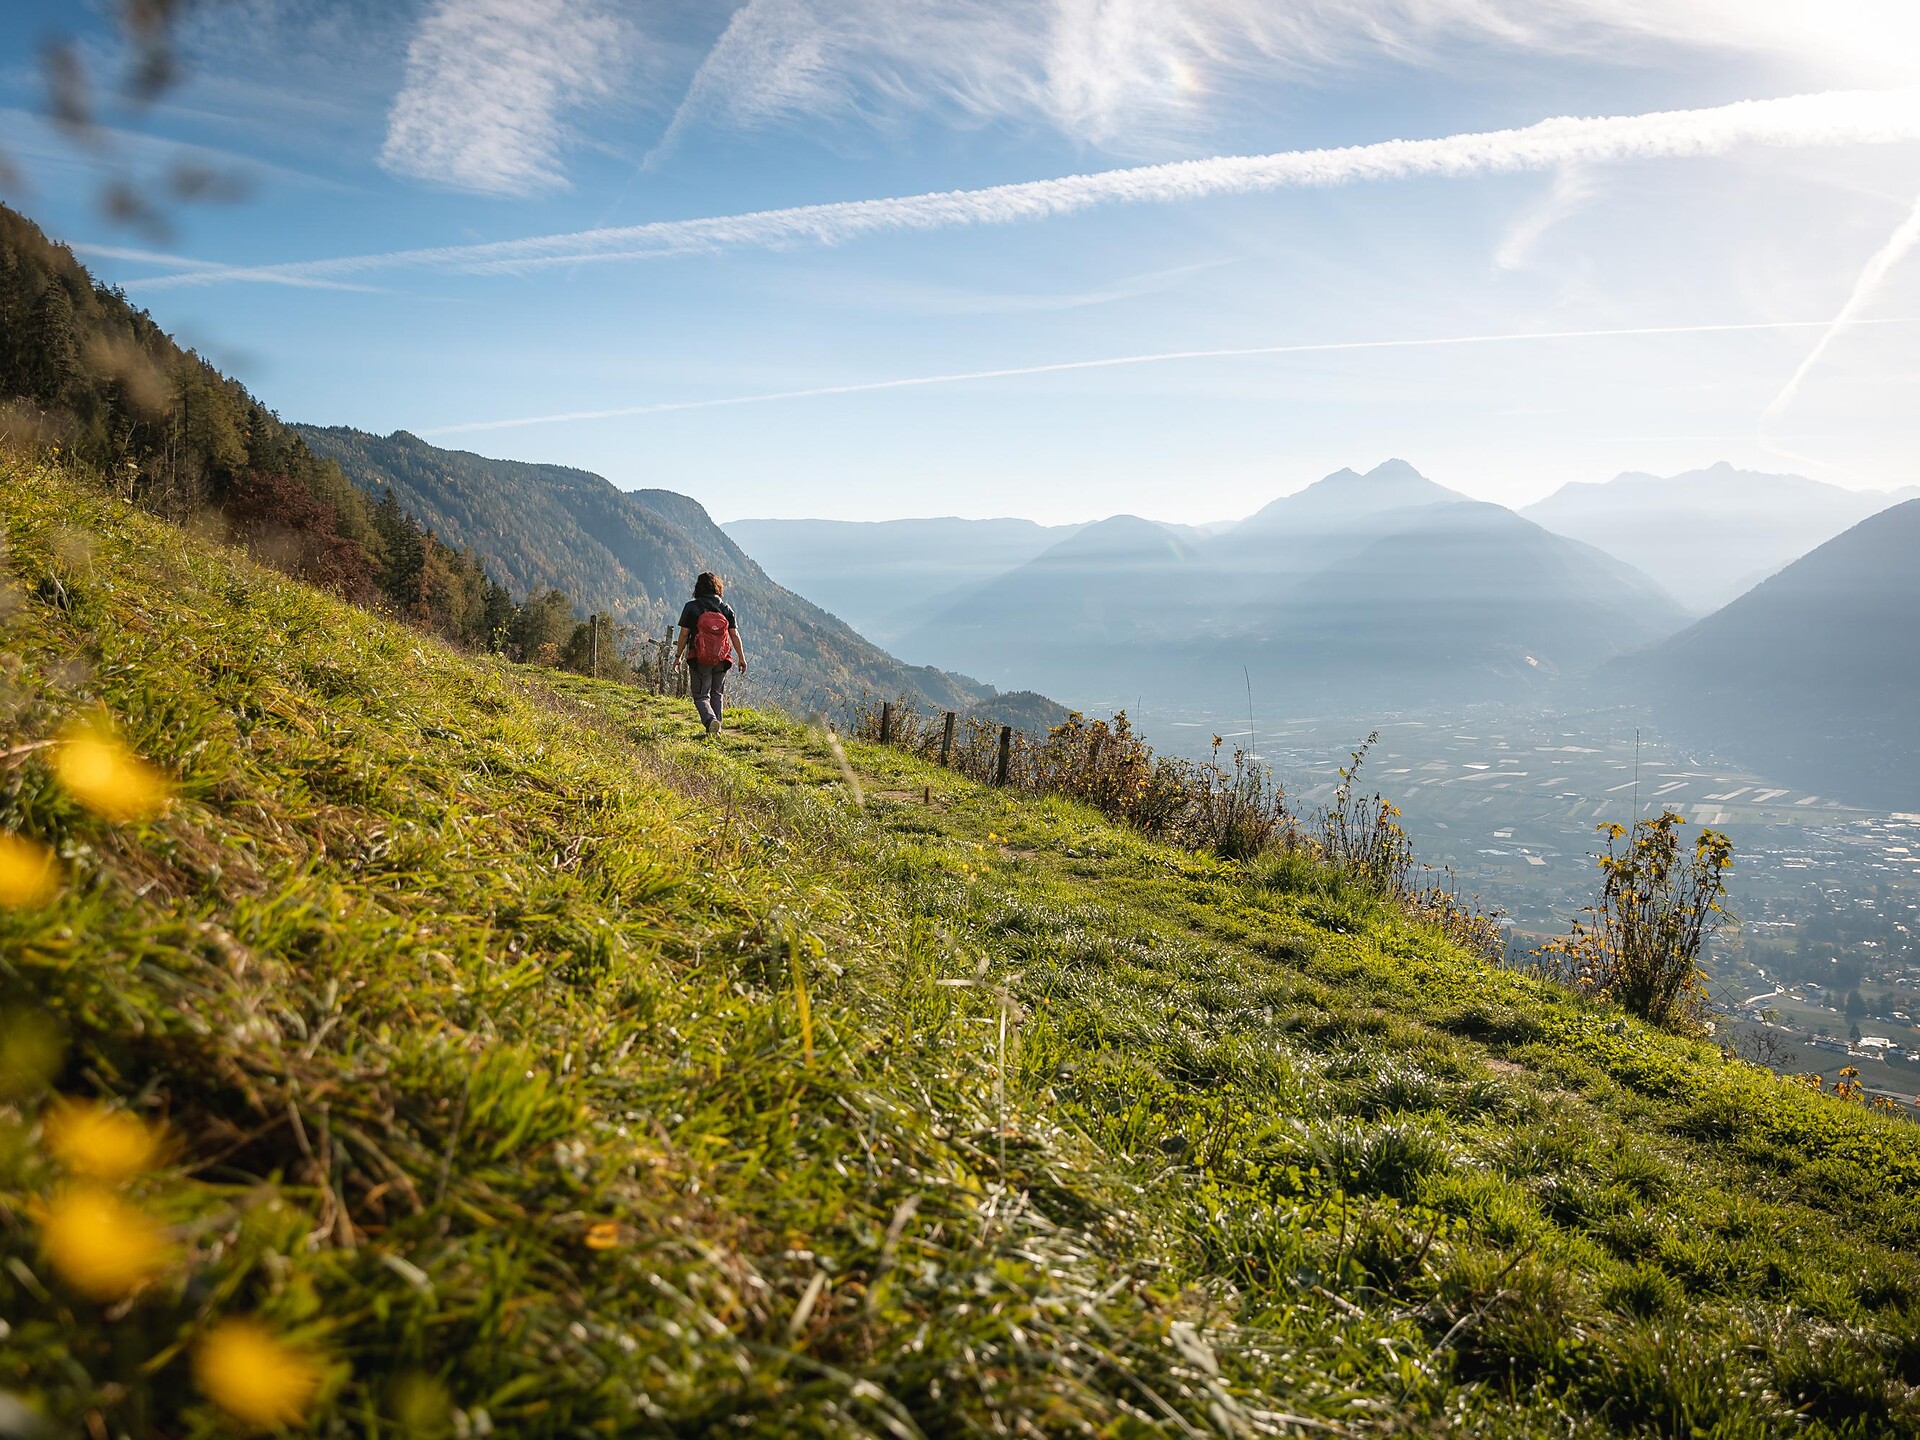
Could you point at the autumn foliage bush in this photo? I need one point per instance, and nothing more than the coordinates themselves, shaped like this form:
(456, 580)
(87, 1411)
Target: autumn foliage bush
(1641, 942)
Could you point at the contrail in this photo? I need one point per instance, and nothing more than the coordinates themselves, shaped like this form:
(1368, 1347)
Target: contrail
(1833, 118)
(1115, 361)
(1902, 241)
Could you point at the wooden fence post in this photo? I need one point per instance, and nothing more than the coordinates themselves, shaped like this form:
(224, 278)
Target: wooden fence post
(946, 740)
(886, 722)
(1006, 755)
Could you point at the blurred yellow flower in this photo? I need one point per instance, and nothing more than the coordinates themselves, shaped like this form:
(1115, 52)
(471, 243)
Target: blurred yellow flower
(255, 1377)
(107, 1144)
(29, 872)
(100, 1245)
(603, 1235)
(109, 779)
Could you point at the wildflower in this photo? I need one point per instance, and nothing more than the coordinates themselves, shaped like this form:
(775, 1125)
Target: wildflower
(108, 1145)
(603, 1235)
(110, 779)
(99, 1244)
(255, 1377)
(29, 872)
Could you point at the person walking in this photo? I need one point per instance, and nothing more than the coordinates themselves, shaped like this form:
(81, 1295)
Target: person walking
(709, 645)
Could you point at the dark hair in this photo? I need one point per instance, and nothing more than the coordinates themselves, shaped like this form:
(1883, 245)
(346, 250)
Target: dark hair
(707, 584)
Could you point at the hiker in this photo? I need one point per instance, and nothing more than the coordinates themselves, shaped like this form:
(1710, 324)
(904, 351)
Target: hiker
(709, 644)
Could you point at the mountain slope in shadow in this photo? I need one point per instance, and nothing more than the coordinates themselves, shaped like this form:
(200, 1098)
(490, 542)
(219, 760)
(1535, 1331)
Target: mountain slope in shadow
(1814, 674)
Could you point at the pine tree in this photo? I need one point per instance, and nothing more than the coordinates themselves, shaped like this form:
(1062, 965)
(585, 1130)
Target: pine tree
(403, 574)
(55, 370)
(15, 306)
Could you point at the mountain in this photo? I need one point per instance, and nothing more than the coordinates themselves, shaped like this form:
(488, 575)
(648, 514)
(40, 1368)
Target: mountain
(1708, 535)
(884, 576)
(1359, 592)
(1461, 600)
(1814, 674)
(1089, 617)
(1346, 497)
(631, 554)
(1264, 557)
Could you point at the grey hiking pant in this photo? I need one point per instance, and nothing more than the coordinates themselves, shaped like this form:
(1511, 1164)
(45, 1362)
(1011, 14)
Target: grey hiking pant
(709, 686)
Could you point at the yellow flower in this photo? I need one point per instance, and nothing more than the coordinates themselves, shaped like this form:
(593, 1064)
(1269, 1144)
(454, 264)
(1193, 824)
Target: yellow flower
(108, 1145)
(253, 1376)
(100, 1245)
(108, 778)
(603, 1235)
(29, 872)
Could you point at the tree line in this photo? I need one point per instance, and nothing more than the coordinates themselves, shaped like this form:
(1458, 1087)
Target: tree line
(86, 373)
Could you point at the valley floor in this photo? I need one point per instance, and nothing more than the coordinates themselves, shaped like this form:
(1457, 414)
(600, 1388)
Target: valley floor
(529, 1065)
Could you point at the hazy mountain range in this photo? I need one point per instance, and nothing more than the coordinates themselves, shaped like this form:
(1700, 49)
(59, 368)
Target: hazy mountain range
(1360, 591)
(1708, 535)
(1384, 589)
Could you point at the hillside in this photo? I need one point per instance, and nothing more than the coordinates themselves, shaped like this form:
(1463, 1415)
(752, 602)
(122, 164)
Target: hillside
(1710, 535)
(883, 576)
(632, 554)
(523, 1065)
(82, 369)
(1814, 673)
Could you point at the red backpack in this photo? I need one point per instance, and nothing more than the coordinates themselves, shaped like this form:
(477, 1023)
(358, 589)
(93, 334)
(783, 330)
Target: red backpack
(711, 645)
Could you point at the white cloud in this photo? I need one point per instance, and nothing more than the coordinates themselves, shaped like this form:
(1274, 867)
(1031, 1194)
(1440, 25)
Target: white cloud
(1841, 118)
(488, 83)
(1873, 275)
(1572, 189)
(1125, 72)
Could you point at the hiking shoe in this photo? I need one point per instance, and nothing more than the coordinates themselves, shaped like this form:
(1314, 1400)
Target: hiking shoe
(713, 728)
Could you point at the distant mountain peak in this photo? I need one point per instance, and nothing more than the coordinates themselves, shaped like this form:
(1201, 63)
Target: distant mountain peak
(1347, 495)
(1394, 470)
(1121, 537)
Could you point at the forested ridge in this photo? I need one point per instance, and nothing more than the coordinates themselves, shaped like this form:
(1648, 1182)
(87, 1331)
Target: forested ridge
(85, 374)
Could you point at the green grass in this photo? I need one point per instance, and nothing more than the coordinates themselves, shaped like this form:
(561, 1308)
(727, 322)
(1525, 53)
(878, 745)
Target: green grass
(951, 1113)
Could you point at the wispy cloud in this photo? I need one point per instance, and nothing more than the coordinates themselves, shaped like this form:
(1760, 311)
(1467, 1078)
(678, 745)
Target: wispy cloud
(1113, 362)
(1834, 118)
(1126, 72)
(1900, 244)
(912, 297)
(1572, 189)
(139, 256)
(488, 84)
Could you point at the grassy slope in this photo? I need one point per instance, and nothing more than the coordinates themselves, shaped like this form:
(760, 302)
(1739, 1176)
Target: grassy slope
(973, 1116)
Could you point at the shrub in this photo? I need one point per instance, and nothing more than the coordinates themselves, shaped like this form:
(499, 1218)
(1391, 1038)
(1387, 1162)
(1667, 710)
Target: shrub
(1658, 907)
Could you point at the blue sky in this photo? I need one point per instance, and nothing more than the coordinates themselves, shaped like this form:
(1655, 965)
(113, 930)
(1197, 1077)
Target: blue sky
(575, 134)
